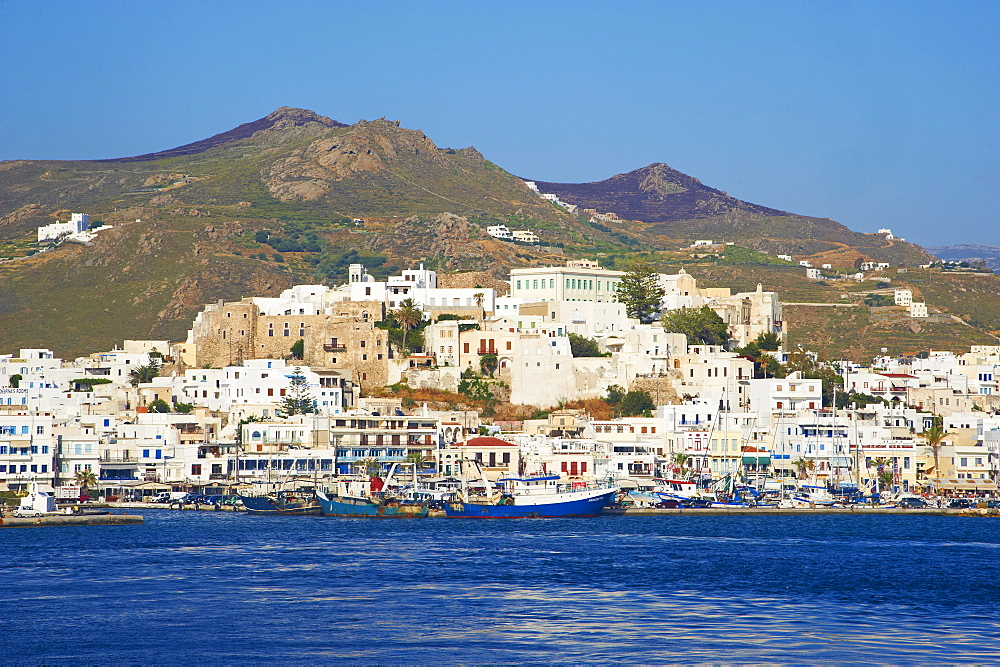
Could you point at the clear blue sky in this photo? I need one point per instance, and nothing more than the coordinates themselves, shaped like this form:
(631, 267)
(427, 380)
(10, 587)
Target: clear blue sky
(875, 114)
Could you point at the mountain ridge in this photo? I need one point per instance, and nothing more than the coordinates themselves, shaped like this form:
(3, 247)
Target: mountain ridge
(271, 203)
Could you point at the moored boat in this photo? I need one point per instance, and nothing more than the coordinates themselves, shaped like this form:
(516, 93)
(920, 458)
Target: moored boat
(348, 506)
(282, 503)
(534, 496)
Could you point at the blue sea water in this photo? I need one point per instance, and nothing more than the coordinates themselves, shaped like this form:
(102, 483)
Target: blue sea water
(204, 587)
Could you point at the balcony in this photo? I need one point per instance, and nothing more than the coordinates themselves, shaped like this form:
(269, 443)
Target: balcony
(486, 350)
(218, 476)
(330, 347)
(118, 459)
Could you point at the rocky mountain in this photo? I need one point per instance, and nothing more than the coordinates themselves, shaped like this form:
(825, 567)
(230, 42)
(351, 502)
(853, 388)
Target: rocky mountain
(296, 197)
(675, 205)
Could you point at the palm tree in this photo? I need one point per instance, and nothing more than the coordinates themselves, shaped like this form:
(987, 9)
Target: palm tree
(480, 298)
(804, 467)
(681, 459)
(408, 316)
(934, 437)
(144, 374)
(883, 473)
(418, 460)
(86, 480)
(368, 466)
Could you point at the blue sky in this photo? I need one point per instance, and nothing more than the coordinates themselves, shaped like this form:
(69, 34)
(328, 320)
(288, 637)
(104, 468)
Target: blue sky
(875, 114)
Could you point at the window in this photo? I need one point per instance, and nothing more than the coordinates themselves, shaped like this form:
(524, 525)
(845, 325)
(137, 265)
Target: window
(195, 468)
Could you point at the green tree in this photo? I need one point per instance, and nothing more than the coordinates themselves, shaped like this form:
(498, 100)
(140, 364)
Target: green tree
(15, 380)
(298, 349)
(144, 374)
(86, 480)
(765, 365)
(159, 405)
(636, 403)
(183, 408)
(769, 341)
(615, 395)
(581, 346)
(489, 362)
(298, 401)
(700, 325)
(409, 316)
(640, 291)
(477, 390)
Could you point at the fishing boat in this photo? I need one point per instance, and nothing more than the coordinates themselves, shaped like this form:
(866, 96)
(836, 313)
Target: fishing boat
(282, 503)
(533, 496)
(377, 508)
(372, 497)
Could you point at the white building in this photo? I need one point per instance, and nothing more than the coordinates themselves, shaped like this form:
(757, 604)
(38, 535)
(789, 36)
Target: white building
(77, 223)
(777, 395)
(525, 236)
(902, 297)
(27, 449)
(579, 280)
(500, 232)
(918, 309)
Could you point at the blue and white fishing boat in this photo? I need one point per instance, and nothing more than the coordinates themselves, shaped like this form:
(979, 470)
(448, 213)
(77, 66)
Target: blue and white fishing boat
(534, 496)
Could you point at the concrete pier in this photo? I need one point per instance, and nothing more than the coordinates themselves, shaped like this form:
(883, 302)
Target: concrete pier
(70, 520)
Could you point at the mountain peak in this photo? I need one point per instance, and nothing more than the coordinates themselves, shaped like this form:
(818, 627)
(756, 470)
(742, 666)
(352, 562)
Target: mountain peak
(281, 119)
(296, 116)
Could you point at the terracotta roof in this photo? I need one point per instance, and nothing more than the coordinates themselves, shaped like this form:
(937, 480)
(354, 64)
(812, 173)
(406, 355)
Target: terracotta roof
(487, 441)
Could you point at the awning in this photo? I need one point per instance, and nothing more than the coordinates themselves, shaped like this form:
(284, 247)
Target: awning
(968, 484)
(628, 484)
(756, 460)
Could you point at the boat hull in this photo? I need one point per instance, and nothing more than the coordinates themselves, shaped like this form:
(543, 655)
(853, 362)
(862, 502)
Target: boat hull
(360, 507)
(587, 506)
(279, 507)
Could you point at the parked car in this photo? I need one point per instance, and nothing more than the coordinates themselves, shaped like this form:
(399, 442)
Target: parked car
(211, 500)
(196, 498)
(960, 503)
(913, 503)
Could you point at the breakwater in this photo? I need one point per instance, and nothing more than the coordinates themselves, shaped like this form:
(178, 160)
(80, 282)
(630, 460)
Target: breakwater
(51, 520)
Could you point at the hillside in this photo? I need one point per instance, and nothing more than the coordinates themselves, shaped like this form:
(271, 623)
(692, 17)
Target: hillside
(677, 206)
(272, 203)
(252, 211)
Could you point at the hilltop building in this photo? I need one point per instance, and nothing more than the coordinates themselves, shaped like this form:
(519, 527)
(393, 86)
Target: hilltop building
(78, 222)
